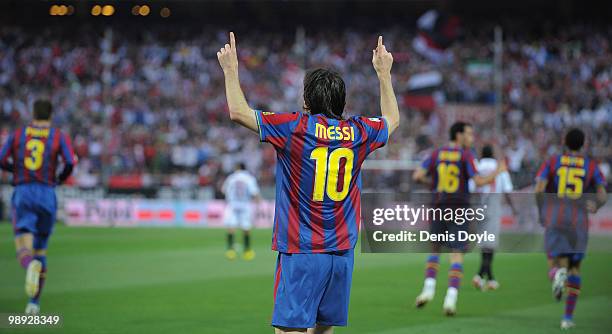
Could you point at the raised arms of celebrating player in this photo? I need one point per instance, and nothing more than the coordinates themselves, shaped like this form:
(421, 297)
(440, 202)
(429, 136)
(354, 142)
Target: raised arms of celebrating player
(239, 109)
(382, 61)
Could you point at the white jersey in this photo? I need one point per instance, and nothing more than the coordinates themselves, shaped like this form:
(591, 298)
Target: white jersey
(240, 188)
(501, 184)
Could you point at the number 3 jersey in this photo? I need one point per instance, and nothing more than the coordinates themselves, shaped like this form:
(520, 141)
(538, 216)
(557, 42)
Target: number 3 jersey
(568, 176)
(32, 152)
(318, 177)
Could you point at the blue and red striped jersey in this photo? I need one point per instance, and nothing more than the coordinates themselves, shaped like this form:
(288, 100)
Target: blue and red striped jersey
(32, 152)
(318, 177)
(569, 176)
(450, 168)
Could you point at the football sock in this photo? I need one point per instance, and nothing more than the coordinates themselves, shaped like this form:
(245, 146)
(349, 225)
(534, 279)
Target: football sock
(552, 272)
(24, 256)
(247, 241)
(485, 267)
(573, 290)
(431, 269)
(41, 280)
(454, 275)
(230, 241)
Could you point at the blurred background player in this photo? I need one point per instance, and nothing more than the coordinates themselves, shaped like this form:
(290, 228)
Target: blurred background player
(491, 198)
(240, 189)
(451, 167)
(31, 154)
(318, 181)
(565, 178)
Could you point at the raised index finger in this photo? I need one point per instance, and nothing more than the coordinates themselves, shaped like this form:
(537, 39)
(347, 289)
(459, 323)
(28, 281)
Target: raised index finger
(232, 40)
(380, 41)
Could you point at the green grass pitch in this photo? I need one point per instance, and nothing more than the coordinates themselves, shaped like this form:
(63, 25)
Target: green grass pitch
(154, 280)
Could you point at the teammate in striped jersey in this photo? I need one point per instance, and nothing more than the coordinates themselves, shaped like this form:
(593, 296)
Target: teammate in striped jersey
(32, 154)
(450, 167)
(318, 183)
(566, 179)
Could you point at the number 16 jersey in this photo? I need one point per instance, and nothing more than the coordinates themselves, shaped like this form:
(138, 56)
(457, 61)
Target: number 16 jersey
(318, 177)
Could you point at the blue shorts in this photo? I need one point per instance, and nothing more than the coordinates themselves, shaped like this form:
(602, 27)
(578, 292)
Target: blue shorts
(571, 243)
(34, 209)
(312, 289)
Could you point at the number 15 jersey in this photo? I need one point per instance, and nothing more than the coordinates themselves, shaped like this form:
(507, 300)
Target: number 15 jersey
(318, 177)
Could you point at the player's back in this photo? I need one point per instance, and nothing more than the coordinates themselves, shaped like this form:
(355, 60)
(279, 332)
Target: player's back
(569, 177)
(34, 152)
(318, 178)
(450, 168)
(240, 187)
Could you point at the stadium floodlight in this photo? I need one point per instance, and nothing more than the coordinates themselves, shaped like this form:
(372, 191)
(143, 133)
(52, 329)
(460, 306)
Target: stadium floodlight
(108, 10)
(96, 10)
(165, 12)
(62, 10)
(144, 10)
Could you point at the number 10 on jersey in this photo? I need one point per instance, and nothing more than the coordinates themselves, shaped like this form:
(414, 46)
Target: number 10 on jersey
(327, 172)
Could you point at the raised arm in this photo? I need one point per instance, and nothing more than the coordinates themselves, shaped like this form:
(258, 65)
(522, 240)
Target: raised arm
(239, 109)
(382, 61)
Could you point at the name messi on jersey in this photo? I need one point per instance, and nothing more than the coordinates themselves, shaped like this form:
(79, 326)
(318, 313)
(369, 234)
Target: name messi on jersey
(334, 132)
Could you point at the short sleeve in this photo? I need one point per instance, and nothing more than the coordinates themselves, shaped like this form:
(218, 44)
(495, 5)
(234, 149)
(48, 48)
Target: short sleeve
(377, 130)
(544, 171)
(276, 128)
(66, 150)
(6, 152)
(598, 177)
(470, 164)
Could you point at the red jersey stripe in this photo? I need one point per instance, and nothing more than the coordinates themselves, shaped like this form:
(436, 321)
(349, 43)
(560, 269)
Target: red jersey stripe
(296, 152)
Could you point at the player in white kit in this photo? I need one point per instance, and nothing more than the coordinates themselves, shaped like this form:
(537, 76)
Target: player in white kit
(491, 196)
(240, 189)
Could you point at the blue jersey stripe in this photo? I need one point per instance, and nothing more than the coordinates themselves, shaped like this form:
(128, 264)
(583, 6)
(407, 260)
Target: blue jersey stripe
(47, 158)
(20, 158)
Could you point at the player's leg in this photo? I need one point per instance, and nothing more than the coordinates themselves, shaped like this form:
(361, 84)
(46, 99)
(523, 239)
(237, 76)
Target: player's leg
(492, 283)
(560, 278)
(431, 272)
(455, 273)
(46, 210)
(246, 221)
(573, 290)
(485, 280)
(231, 223)
(40, 255)
(321, 329)
(552, 268)
(479, 279)
(431, 267)
(249, 253)
(24, 225)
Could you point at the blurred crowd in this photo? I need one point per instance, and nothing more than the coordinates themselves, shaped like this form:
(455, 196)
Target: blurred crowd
(153, 102)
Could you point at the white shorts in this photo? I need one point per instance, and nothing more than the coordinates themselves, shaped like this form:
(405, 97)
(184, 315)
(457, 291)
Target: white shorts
(239, 216)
